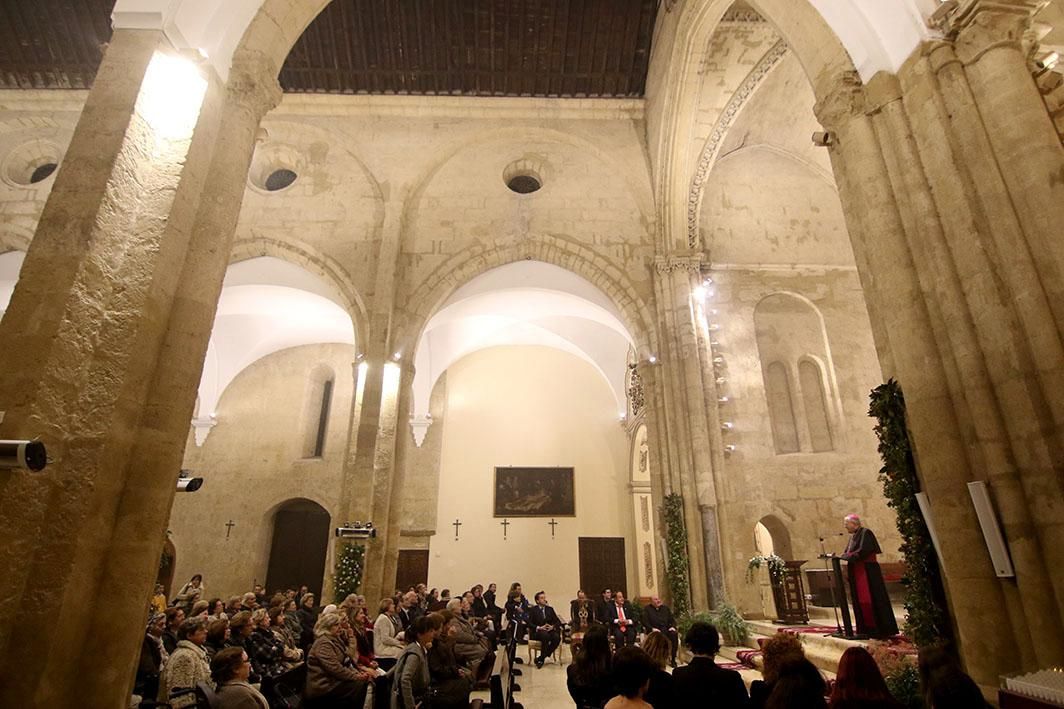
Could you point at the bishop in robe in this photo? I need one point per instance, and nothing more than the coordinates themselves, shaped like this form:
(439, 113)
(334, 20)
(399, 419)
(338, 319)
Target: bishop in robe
(871, 604)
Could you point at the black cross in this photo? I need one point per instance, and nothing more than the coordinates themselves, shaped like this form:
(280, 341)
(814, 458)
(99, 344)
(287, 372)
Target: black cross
(505, 528)
(229, 528)
(456, 524)
(552, 524)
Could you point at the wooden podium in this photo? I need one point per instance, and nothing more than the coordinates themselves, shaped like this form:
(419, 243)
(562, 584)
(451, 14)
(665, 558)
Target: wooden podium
(789, 595)
(841, 599)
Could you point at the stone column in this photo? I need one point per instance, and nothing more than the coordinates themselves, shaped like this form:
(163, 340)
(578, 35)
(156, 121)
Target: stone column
(659, 459)
(105, 341)
(919, 197)
(401, 439)
(688, 383)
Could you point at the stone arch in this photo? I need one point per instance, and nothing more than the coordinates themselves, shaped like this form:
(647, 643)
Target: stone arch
(805, 32)
(643, 196)
(780, 536)
(559, 251)
(314, 261)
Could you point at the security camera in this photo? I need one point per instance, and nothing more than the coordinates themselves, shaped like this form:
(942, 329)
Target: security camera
(187, 483)
(23, 455)
(823, 138)
(357, 530)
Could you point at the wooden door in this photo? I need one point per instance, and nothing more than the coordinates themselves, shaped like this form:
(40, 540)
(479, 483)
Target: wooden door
(300, 542)
(413, 568)
(602, 565)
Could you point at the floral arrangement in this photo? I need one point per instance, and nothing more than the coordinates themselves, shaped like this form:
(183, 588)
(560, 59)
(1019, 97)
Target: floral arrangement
(676, 566)
(777, 567)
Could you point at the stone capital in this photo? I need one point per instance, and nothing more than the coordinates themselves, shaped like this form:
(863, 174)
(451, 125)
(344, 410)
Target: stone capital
(253, 86)
(670, 264)
(844, 100)
(981, 25)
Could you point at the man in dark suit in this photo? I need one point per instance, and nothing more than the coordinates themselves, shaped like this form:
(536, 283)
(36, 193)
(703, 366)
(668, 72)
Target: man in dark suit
(622, 621)
(658, 617)
(702, 683)
(602, 607)
(409, 611)
(545, 626)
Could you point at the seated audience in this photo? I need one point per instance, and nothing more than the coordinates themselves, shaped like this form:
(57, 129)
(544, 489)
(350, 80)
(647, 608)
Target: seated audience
(631, 675)
(215, 610)
(292, 621)
(217, 637)
(200, 609)
(544, 627)
(187, 665)
(361, 640)
(622, 621)
(469, 647)
(333, 680)
(602, 607)
(433, 605)
(152, 658)
(774, 651)
(517, 612)
(451, 681)
(293, 655)
(479, 607)
(230, 670)
(174, 618)
(494, 611)
(657, 617)
(859, 684)
(240, 629)
(799, 685)
(249, 601)
(386, 646)
(482, 626)
(308, 617)
(232, 606)
(944, 684)
(702, 683)
(408, 610)
(263, 648)
(412, 679)
(660, 693)
(590, 676)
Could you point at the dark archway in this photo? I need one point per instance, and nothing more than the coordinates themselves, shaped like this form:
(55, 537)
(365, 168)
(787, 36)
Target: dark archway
(167, 564)
(299, 546)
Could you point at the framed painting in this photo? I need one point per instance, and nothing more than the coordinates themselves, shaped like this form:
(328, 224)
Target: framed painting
(534, 492)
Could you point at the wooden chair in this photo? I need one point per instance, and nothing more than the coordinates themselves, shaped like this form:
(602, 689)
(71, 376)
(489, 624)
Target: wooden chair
(536, 645)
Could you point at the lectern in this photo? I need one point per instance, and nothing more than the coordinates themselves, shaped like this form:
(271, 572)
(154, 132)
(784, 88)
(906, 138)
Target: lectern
(838, 584)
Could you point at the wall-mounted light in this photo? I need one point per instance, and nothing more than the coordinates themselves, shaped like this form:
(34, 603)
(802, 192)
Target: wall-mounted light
(623, 416)
(723, 400)
(729, 449)
(721, 380)
(726, 426)
(397, 356)
(714, 327)
(700, 293)
(718, 360)
(360, 356)
(652, 359)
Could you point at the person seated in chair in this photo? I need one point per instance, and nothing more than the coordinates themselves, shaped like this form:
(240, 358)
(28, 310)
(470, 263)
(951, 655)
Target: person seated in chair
(701, 683)
(657, 617)
(516, 612)
(622, 621)
(602, 607)
(545, 627)
(333, 679)
(230, 669)
(581, 615)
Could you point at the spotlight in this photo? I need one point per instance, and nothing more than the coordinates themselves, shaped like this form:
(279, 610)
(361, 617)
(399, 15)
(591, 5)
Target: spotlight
(727, 426)
(723, 400)
(397, 356)
(187, 483)
(23, 455)
(358, 530)
(652, 359)
(823, 138)
(729, 449)
(714, 327)
(700, 292)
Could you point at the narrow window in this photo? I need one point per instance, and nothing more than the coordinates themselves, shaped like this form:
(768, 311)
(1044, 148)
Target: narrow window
(816, 414)
(323, 418)
(781, 409)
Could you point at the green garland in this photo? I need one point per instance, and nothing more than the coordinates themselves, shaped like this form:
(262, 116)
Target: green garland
(926, 621)
(348, 576)
(676, 568)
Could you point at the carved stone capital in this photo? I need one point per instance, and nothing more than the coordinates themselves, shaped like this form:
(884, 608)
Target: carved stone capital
(981, 25)
(671, 264)
(844, 101)
(253, 86)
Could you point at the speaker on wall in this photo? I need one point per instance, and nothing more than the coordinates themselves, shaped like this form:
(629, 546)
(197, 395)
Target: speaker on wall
(995, 540)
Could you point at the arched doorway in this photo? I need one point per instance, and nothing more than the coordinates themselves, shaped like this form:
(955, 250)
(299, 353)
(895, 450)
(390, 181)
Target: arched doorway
(299, 546)
(167, 564)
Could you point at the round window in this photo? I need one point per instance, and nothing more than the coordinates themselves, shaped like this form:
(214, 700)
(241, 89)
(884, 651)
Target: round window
(523, 184)
(42, 172)
(279, 179)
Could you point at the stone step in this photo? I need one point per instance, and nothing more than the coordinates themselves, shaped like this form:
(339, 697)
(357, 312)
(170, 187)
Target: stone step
(824, 652)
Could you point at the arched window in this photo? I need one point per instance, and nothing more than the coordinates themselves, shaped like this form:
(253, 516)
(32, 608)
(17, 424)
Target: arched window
(796, 364)
(316, 411)
(781, 408)
(816, 415)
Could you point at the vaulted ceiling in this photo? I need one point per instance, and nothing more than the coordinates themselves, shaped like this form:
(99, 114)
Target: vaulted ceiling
(568, 48)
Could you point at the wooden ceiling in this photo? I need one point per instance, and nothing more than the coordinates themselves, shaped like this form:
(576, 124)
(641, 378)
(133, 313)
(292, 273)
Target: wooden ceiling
(52, 44)
(568, 48)
(475, 48)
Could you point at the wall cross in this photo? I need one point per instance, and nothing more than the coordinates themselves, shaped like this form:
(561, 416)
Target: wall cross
(229, 528)
(505, 528)
(456, 524)
(553, 523)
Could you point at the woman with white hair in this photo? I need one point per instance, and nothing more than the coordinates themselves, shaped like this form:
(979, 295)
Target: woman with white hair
(332, 677)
